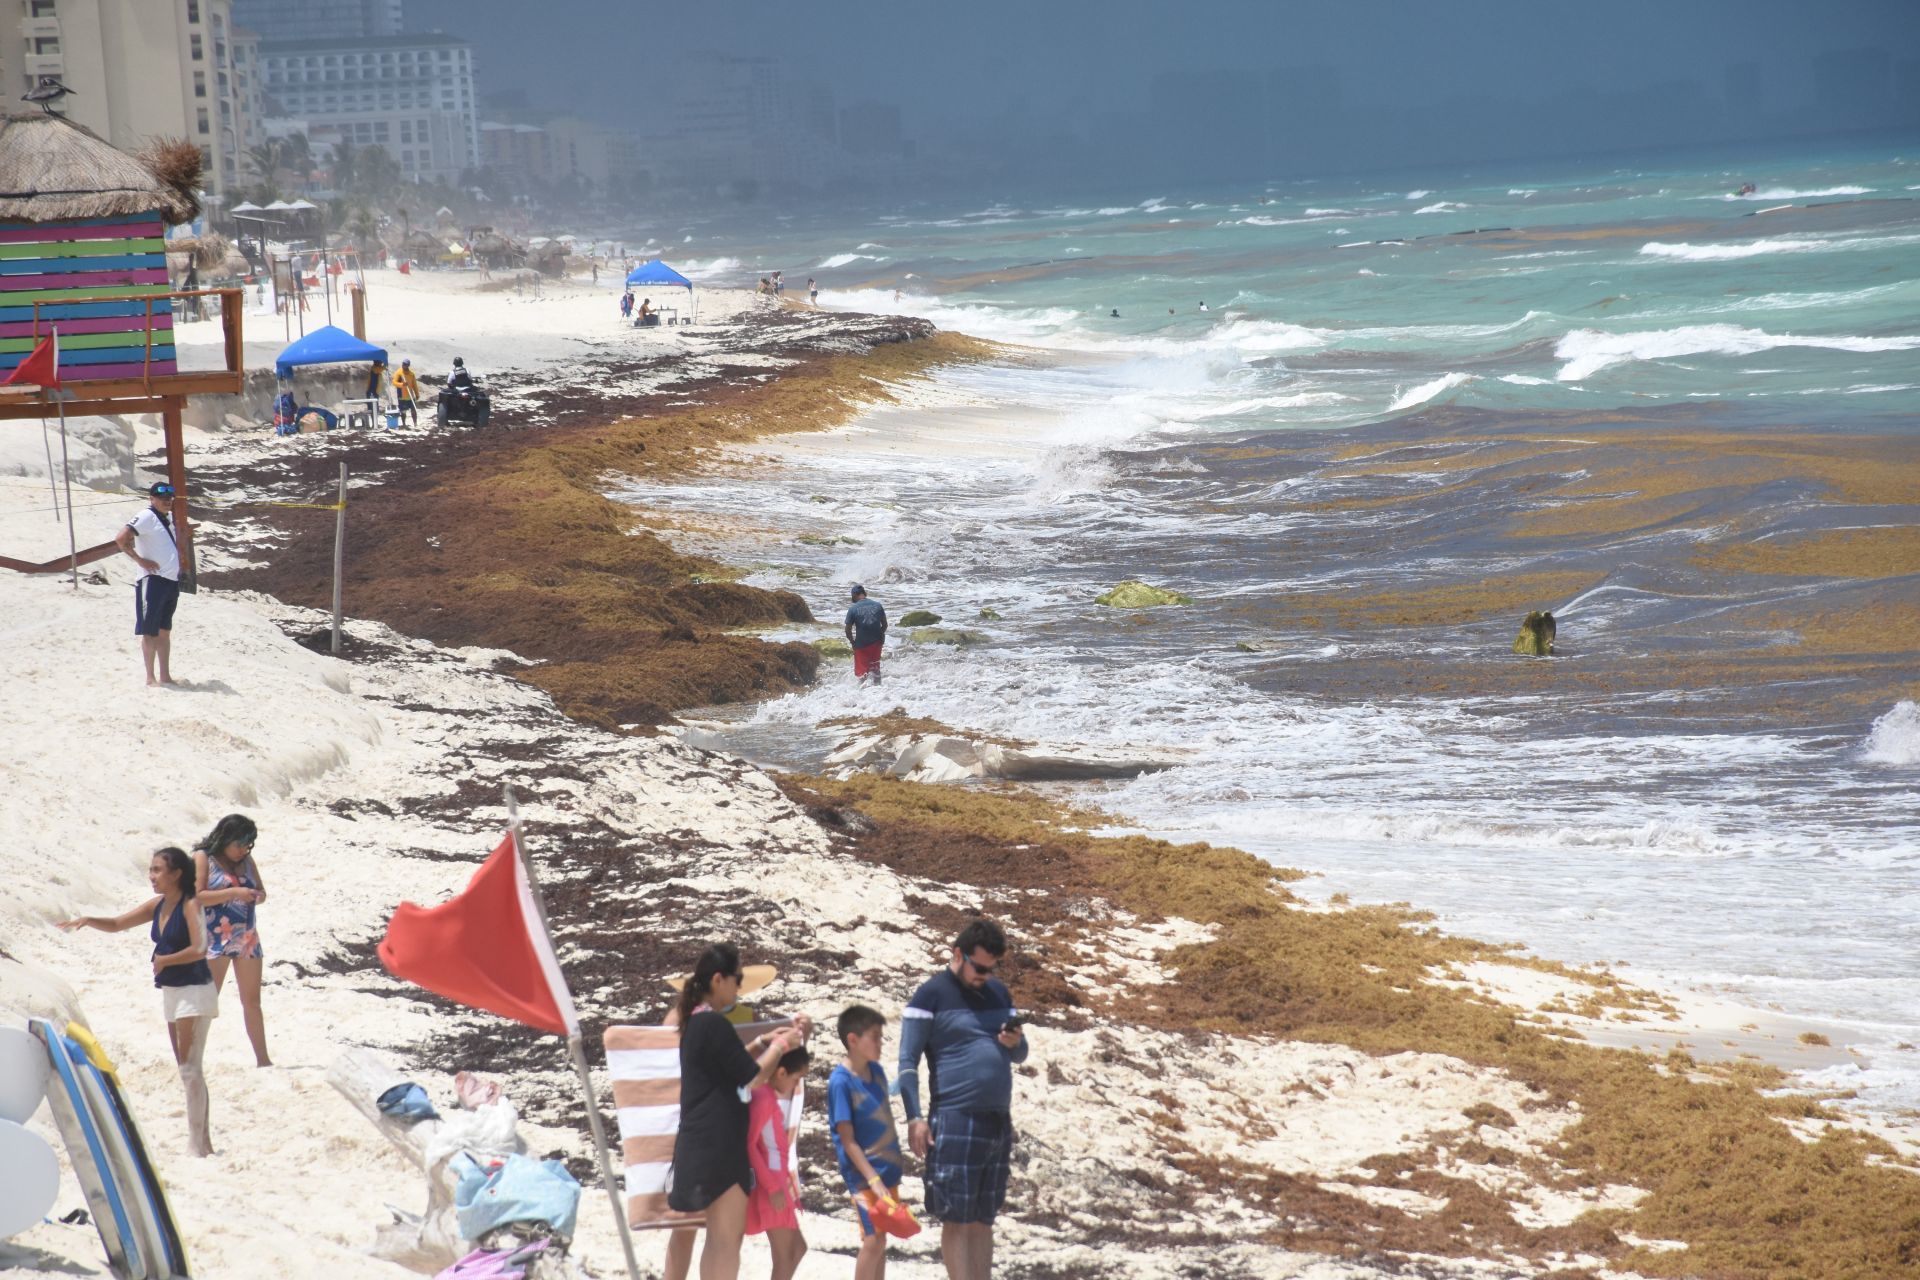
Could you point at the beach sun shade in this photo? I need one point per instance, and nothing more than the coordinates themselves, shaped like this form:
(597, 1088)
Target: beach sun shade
(303, 204)
(327, 345)
(657, 272)
(245, 206)
(280, 205)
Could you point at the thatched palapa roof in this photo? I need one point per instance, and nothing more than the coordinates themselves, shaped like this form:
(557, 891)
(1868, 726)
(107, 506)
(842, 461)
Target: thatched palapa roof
(52, 170)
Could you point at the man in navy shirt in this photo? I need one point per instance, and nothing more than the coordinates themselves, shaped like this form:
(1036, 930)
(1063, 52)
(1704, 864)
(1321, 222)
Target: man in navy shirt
(964, 1022)
(866, 632)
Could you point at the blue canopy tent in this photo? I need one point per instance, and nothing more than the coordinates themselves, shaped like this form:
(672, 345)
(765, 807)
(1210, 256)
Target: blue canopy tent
(328, 345)
(658, 272)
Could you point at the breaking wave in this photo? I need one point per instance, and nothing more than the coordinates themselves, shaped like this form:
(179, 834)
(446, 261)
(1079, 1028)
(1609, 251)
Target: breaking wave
(1788, 193)
(1588, 351)
(1772, 244)
(1428, 391)
(1895, 737)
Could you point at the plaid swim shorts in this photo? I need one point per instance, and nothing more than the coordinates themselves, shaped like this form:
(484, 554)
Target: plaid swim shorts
(966, 1175)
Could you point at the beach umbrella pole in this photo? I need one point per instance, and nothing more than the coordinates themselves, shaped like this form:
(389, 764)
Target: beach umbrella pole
(579, 1055)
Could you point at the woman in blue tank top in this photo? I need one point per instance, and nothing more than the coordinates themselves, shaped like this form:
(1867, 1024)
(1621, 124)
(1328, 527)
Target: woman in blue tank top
(180, 970)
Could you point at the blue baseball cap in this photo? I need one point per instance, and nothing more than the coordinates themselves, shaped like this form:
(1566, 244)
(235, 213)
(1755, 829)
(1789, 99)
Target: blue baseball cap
(160, 489)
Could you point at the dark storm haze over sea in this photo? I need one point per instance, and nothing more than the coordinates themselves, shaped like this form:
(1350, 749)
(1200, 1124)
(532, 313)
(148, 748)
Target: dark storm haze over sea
(1129, 89)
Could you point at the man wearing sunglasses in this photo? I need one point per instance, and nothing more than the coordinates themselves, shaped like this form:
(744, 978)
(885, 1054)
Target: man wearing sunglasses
(149, 539)
(963, 1021)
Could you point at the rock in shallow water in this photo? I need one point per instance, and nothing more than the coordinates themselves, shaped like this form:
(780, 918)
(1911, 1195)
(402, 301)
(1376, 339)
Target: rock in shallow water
(1536, 635)
(920, 618)
(1138, 595)
(949, 635)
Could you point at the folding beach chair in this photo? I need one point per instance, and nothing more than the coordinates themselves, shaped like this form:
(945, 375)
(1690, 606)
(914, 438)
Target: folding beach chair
(644, 1065)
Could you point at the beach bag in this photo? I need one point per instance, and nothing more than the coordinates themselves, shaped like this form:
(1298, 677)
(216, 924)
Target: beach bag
(516, 1189)
(492, 1264)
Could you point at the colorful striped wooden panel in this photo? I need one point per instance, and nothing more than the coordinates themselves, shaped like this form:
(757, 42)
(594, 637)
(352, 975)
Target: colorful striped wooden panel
(67, 267)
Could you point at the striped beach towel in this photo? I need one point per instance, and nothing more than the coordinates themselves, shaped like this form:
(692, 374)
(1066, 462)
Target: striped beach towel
(644, 1064)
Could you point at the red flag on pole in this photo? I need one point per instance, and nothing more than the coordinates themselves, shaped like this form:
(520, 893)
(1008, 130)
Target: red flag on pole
(41, 368)
(485, 948)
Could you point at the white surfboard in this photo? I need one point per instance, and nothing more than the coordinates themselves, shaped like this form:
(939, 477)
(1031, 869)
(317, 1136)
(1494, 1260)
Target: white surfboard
(23, 1074)
(29, 1178)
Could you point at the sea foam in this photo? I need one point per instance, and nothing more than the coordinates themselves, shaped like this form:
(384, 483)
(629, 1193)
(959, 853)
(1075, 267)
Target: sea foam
(1895, 736)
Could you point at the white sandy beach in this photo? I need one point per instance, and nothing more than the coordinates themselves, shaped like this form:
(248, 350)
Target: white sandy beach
(351, 770)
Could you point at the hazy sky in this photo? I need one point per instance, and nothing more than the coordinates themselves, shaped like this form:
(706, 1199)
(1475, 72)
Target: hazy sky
(1053, 63)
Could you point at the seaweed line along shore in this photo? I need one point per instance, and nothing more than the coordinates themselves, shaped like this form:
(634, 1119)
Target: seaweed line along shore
(1232, 1076)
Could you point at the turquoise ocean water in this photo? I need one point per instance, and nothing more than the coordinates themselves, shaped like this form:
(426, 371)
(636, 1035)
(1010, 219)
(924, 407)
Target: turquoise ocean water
(1706, 836)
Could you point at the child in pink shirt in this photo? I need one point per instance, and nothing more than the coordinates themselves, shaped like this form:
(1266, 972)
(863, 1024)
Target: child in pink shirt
(773, 1205)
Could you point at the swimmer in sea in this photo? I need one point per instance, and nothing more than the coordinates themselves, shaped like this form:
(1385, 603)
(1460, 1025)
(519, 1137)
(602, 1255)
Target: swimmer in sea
(1114, 314)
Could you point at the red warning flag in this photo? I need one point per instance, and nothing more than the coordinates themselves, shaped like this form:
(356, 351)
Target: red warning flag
(485, 948)
(41, 368)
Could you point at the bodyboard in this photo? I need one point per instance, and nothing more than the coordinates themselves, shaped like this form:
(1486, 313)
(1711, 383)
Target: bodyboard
(71, 1116)
(169, 1248)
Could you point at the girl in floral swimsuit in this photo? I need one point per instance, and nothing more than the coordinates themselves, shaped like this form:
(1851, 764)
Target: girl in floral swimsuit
(232, 894)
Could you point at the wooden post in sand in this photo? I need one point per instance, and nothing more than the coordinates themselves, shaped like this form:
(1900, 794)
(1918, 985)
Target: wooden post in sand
(339, 553)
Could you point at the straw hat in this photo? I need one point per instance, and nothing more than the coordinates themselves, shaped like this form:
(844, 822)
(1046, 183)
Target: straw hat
(753, 977)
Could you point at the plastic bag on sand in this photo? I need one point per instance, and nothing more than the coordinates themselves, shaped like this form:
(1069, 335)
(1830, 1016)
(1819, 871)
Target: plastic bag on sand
(489, 1130)
(515, 1189)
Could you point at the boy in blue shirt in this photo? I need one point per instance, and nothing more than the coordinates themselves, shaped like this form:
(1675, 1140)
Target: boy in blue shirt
(864, 1139)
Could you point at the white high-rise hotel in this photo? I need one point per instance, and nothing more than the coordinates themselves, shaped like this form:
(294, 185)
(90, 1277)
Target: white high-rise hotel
(412, 95)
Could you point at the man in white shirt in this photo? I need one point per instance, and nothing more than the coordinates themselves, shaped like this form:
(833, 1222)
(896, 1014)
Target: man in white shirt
(149, 539)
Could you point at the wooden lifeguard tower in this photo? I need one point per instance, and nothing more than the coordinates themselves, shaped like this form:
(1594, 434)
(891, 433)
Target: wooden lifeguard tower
(82, 248)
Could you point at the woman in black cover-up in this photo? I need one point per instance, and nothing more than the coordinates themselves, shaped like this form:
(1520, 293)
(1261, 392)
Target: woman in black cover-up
(710, 1169)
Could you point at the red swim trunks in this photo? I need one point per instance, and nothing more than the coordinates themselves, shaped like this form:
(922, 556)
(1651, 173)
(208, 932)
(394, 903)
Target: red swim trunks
(867, 659)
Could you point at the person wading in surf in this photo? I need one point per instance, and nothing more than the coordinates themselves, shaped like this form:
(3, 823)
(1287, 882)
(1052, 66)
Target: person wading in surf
(866, 631)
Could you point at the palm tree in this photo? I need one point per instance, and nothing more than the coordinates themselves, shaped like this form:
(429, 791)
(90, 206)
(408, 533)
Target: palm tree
(345, 163)
(296, 155)
(377, 170)
(365, 229)
(266, 160)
